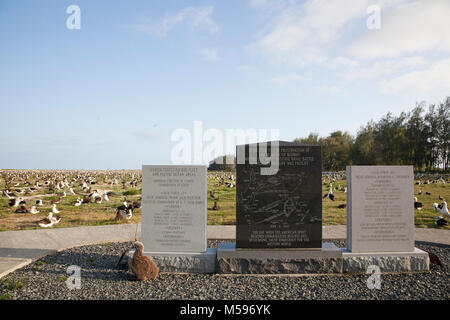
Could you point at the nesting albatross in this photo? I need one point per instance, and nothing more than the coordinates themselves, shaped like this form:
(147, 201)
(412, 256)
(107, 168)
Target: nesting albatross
(142, 266)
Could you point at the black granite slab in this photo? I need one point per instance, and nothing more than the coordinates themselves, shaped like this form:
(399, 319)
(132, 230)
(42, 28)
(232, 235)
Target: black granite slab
(283, 210)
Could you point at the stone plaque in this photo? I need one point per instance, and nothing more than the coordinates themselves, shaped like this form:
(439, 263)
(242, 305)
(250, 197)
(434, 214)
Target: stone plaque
(281, 210)
(174, 209)
(380, 209)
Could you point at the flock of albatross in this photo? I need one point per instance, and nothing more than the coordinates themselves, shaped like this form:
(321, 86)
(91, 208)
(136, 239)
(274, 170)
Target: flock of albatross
(21, 185)
(441, 209)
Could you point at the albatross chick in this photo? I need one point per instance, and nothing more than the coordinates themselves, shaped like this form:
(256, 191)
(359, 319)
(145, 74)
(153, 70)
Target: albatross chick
(142, 266)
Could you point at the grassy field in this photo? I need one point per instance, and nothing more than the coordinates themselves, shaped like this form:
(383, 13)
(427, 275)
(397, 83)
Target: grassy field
(104, 213)
(426, 217)
(91, 214)
(226, 215)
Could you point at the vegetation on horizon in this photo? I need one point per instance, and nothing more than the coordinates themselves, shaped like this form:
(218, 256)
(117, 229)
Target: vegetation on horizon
(413, 138)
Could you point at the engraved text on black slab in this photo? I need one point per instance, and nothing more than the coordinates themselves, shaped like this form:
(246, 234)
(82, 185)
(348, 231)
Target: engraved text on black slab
(282, 210)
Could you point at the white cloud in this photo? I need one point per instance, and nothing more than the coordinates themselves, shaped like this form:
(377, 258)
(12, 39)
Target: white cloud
(407, 28)
(327, 89)
(315, 31)
(342, 62)
(384, 68)
(435, 78)
(195, 19)
(284, 79)
(330, 39)
(305, 33)
(209, 54)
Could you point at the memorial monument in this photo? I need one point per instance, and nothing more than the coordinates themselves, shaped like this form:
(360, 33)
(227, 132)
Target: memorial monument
(174, 218)
(380, 220)
(279, 215)
(174, 209)
(283, 210)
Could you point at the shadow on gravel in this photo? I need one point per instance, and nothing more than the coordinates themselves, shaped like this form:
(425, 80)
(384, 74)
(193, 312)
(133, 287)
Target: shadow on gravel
(93, 265)
(434, 244)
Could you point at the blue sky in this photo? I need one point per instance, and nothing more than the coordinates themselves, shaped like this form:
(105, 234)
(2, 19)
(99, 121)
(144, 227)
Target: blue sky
(109, 95)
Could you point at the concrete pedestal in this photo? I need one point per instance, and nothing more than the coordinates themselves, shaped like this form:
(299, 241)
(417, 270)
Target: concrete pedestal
(204, 262)
(416, 261)
(274, 261)
(226, 259)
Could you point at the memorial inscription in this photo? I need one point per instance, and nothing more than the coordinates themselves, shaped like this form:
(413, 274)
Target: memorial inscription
(283, 210)
(174, 209)
(380, 215)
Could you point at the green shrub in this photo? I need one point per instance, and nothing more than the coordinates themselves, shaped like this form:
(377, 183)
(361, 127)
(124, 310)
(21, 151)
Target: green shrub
(13, 285)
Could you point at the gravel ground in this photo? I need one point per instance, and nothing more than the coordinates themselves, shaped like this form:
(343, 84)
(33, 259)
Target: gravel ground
(46, 279)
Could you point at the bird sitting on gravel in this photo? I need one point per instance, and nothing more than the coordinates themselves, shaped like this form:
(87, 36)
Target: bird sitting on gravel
(142, 266)
(435, 259)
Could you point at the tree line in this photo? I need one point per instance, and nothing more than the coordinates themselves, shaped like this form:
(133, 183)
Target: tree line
(419, 138)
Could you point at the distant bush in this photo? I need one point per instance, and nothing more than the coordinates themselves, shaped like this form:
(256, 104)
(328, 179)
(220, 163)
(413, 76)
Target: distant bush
(420, 138)
(223, 163)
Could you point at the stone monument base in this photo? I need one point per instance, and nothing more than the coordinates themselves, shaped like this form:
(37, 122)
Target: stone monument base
(416, 261)
(204, 262)
(226, 259)
(278, 261)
